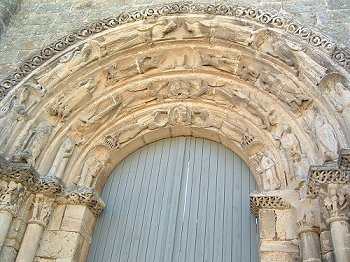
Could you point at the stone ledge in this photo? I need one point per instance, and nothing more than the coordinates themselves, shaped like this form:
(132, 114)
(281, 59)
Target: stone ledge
(264, 201)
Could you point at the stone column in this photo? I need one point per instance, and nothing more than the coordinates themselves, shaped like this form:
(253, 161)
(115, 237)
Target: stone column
(336, 206)
(10, 199)
(42, 208)
(309, 242)
(309, 230)
(277, 228)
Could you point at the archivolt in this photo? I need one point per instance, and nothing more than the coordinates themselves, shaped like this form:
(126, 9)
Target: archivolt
(270, 97)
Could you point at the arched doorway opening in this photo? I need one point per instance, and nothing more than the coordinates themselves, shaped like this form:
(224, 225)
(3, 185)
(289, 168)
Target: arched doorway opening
(177, 199)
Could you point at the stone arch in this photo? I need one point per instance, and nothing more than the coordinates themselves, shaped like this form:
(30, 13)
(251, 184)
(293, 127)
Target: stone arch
(250, 79)
(252, 74)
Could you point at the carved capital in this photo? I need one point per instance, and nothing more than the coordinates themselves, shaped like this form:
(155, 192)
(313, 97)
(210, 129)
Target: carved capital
(335, 200)
(42, 208)
(262, 201)
(17, 172)
(11, 196)
(47, 185)
(308, 216)
(330, 173)
(29, 178)
(83, 196)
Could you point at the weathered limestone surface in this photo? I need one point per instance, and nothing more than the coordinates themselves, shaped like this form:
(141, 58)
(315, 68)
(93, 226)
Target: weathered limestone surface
(251, 80)
(38, 23)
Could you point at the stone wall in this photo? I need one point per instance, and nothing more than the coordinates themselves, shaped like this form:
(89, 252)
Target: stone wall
(39, 22)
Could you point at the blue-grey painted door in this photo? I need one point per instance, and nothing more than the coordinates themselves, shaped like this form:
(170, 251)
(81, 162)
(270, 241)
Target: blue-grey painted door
(177, 200)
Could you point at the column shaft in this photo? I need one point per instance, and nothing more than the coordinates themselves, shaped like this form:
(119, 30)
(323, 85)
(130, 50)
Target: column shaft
(30, 243)
(310, 246)
(5, 223)
(340, 240)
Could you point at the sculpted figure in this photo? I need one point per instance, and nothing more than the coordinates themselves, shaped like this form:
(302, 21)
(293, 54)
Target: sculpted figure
(249, 69)
(73, 61)
(95, 164)
(41, 210)
(94, 114)
(34, 143)
(283, 88)
(266, 41)
(267, 171)
(180, 115)
(13, 112)
(11, 195)
(61, 160)
(34, 85)
(289, 142)
(339, 96)
(125, 133)
(324, 135)
(213, 30)
(154, 30)
(141, 65)
(291, 146)
(65, 104)
(197, 29)
(222, 63)
(231, 32)
(242, 98)
(100, 110)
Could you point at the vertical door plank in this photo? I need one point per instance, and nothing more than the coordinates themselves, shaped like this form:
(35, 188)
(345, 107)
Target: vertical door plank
(180, 199)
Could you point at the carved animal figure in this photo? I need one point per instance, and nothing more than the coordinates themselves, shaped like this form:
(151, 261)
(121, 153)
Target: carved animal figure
(222, 63)
(284, 89)
(157, 30)
(141, 65)
(266, 41)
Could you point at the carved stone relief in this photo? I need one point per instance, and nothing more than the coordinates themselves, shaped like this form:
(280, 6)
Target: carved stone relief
(66, 103)
(266, 168)
(128, 69)
(34, 142)
(95, 164)
(61, 160)
(72, 61)
(323, 133)
(268, 42)
(11, 197)
(42, 208)
(284, 89)
(288, 142)
(335, 87)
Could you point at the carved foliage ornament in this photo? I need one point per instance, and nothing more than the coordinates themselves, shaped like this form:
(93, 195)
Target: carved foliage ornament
(11, 197)
(272, 19)
(19, 177)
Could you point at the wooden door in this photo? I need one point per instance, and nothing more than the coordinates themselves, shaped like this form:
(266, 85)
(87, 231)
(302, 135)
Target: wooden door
(181, 199)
